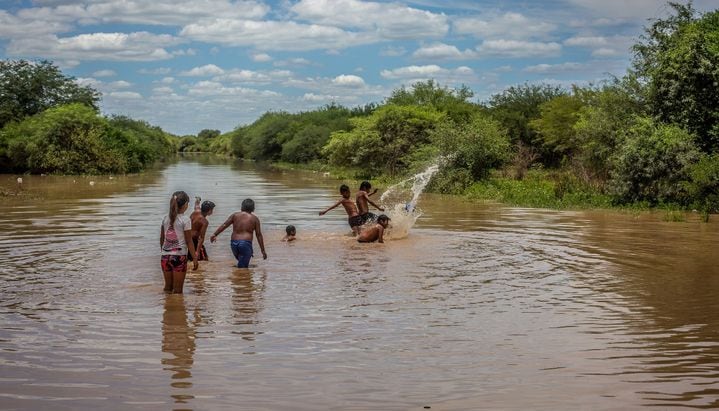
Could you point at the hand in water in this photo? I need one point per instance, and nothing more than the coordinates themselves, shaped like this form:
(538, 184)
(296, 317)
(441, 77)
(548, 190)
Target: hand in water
(195, 264)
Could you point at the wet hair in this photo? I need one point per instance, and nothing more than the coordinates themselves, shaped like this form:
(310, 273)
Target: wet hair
(382, 217)
(207, 206)
(178, 200)
(290, 230)
(248, 205)
(344, 188)
(365, 185)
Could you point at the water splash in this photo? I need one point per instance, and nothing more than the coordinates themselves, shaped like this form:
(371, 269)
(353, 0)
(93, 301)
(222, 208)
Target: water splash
(400, 202)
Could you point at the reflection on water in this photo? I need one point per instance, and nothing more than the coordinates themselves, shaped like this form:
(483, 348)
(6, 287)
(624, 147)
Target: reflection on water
(480, 307)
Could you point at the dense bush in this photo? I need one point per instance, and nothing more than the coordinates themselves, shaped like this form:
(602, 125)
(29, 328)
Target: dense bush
(652, 163)
(73, 139)
(68, 139)
(384, 141)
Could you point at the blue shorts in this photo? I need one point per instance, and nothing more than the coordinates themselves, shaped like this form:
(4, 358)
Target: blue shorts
(242, 250)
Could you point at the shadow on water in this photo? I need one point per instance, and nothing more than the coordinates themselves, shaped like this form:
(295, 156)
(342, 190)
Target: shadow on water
(178, 340)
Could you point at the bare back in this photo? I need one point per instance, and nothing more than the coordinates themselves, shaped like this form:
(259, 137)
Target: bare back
(244, 225)
(198, 222)
(372, 234)
(349, 206)
(362, 205)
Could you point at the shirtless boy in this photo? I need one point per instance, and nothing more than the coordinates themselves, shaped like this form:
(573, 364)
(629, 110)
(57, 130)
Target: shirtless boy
(354, 219)
(362, 200)
(375, 232)
(199, 227)
(244, 224)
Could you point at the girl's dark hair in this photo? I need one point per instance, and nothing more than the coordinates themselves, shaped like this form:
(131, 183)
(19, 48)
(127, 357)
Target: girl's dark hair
(290, 229)
(248, 206)
(365, 185)
(179, 199)
(344, 187)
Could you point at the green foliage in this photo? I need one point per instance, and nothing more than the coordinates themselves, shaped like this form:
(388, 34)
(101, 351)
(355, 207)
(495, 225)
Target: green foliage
(652, 162)
(208, 134)
(601, 125)
(452, 102)
(703, 184)
(555, 126)
(517, 106)
(28, 88)
(470, 150)
(73, 139)
(385, 140)
(678, 58)
(68, 139)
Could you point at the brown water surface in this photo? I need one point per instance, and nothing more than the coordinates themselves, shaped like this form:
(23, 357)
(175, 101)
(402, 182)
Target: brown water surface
(480, 307)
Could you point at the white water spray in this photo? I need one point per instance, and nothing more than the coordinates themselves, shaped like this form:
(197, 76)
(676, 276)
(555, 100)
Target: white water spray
(400, 202)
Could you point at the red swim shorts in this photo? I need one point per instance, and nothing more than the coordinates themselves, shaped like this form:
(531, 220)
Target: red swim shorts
(174, 263)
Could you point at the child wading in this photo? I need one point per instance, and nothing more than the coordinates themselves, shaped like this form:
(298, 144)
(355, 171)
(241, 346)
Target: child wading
(244, 224)
(363, 200)
(175, 240)
(199, 227)
(354, 219)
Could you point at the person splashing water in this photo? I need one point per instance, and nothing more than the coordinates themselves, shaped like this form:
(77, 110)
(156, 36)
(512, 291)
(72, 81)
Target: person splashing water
(400, 202)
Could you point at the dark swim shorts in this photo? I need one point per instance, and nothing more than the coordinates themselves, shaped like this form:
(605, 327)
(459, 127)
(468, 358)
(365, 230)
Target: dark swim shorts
(201, 252)
(355, 221)
(368, 217)
(174, 263)
(242, 250)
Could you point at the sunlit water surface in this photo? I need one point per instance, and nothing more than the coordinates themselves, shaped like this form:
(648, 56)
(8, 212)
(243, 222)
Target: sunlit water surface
(480, 307)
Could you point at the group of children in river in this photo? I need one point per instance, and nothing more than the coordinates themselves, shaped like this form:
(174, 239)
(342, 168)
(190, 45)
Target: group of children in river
(182, 238)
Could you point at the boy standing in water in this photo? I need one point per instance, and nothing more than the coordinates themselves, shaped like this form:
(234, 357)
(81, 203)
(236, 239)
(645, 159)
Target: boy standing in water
(199, 227)
(362, 200)
(244, 224)
(354, 219)
(375, 232)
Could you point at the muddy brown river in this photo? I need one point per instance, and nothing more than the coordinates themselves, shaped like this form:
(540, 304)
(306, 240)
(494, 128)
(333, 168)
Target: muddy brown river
(481, 306)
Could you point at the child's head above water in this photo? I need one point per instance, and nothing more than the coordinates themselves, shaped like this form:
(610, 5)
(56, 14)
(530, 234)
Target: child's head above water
(345, 190)
(248, 206)
(290, 230)
(207, 207)
(383, 220)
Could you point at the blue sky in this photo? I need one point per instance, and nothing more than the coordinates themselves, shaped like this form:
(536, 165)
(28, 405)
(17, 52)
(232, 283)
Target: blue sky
(186, 65)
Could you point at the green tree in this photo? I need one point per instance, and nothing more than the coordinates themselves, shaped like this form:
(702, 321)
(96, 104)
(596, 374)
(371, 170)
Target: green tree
(385, 140)
(653, 163)
(452, 102)
(28, 88)
(516, 106)
(207, 134)
(678, 58)
(555, 126)
(69, 139)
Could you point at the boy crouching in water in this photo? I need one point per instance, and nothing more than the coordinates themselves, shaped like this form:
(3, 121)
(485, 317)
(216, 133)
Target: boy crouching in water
(199, 228)
(244, 224)
(354, 219)
(375, 232)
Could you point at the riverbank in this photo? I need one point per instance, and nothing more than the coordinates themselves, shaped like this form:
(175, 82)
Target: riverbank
(538, 189)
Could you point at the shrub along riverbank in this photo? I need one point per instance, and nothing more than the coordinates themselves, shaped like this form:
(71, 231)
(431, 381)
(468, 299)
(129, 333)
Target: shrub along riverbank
(648, 139)
(50, 124)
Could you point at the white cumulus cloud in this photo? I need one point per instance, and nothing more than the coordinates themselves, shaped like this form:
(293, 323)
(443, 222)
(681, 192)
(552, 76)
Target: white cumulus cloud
(203, 71)
(506, 26)
(441, 51)
(519, 49)
(348, 80)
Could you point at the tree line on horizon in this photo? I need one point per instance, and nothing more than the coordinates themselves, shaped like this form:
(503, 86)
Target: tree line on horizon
(651, 136)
